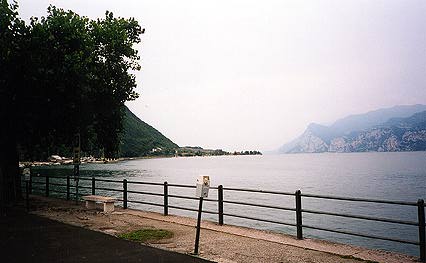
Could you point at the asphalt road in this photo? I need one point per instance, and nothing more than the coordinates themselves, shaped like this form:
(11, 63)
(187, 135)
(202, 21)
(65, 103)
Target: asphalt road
(30, 238)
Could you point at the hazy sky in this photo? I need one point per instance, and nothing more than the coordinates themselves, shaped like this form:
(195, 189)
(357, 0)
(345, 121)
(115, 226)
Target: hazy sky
(252, 74)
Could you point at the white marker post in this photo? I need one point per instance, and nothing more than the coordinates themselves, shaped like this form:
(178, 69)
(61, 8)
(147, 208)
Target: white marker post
(202, 191)
(27, 175)
(76, 162)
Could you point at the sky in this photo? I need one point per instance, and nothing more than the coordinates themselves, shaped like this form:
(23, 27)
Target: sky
(251, 75)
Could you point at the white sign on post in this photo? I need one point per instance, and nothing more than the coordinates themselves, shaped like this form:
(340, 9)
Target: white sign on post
(203, 185)
(26, 172)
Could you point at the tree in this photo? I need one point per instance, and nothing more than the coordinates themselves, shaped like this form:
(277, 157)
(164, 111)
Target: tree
(60, 75)
(115, 56)
(12, 33)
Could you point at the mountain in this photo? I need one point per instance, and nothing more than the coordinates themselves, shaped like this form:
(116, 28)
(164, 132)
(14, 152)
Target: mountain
(141, 139)
(400, 128)
(367, 120)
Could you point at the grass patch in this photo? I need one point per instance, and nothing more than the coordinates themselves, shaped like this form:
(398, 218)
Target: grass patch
(144, 235)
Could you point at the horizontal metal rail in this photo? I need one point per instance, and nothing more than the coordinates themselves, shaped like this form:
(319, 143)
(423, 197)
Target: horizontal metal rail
(84, 192)
(260, 205)
(258, 191)
(145, 193)
(106, 189)
(362, 235)
(147, 183)
(55, 184)
(144, 203)
(57, 191)
(182, 185)
(192, 198)
(191, 209)
(360, 199)
(38, 189)
(83, 178)
(104, 180)
(35, 182)
(260, 219)
(380, 219)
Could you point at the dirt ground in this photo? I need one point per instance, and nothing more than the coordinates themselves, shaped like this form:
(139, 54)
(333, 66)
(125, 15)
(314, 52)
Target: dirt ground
(217, 243)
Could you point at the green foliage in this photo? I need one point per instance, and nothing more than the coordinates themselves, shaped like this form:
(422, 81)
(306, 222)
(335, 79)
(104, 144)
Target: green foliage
(59, 75)
(12, 35)
(145, 235)
(139, 139)
(115, 56)
(64, 74)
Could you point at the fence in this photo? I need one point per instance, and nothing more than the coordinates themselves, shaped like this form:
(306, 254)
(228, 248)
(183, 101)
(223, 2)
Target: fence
(299, 211)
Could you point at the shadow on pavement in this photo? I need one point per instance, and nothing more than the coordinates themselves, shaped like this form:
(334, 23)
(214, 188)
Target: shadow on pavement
(29, 238)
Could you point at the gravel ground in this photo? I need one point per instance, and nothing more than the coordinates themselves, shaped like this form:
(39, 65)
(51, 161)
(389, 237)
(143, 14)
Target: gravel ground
(217, 243)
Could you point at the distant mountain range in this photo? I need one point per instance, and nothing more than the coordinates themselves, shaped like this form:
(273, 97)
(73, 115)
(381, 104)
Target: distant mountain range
(141, 139)
(400, 128)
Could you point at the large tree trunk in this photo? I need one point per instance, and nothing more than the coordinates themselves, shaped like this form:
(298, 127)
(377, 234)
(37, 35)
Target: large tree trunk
(10, 181)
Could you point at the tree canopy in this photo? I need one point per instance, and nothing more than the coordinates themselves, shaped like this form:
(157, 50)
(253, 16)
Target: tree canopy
(62, 74)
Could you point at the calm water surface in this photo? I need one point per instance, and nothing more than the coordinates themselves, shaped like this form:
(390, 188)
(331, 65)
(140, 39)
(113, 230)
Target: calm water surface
(392, 176)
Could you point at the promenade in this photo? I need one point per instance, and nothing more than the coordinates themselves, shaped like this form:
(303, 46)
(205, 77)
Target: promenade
(218, 243)
(31, 238)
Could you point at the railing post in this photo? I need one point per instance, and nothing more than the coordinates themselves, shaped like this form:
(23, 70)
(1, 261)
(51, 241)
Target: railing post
(198, 229)
(30, 184)
(166, 199)
(68, 187)
(27, 195)
(299, 214)
(76, 189)
(220, 203)
(47, 185)
(421, 217)
(93, 185)
(125, 193)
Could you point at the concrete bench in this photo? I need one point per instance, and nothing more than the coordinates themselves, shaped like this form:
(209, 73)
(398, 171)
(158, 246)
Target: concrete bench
(91, 201)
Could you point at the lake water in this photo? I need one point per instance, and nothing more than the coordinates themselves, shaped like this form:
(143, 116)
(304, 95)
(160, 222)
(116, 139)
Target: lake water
(391, 176)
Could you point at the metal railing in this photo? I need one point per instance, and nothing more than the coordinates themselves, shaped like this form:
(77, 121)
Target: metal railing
(299, 211)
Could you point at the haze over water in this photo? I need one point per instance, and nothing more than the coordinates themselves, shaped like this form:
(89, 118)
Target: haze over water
(390, 176)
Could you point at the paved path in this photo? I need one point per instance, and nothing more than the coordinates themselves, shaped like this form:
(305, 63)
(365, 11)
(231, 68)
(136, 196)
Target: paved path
(223, 244)
(30, 238)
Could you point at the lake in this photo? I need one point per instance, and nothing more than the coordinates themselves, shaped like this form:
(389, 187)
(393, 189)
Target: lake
(391, 176)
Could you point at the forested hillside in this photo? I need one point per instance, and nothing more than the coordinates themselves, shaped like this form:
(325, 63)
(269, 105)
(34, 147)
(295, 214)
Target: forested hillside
(141, 139)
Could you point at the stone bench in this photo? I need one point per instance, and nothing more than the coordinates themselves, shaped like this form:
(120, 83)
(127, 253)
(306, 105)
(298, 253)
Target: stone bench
(108, 202)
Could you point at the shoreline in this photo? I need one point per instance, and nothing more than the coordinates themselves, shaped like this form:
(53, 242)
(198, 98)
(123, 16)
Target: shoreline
(109, 161)
(122, 159)
(97, 161)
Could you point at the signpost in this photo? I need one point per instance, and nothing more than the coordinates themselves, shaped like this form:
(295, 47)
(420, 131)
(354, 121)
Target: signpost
(27, 176)
(76, 162)
(202, 191)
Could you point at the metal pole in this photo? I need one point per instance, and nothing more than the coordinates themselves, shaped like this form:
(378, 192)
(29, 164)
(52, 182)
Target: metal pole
(47, 185)
(299, 214)
(93, 185)
(125, 193)
(76, 192)
(27, 195)
(76, 177)
(166, 199)
(421, 217)
(220, 203)
(31, 184)
(197, 234)
(68, 187)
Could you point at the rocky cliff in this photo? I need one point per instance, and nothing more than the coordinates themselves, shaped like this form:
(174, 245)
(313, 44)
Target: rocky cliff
(395, 134)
